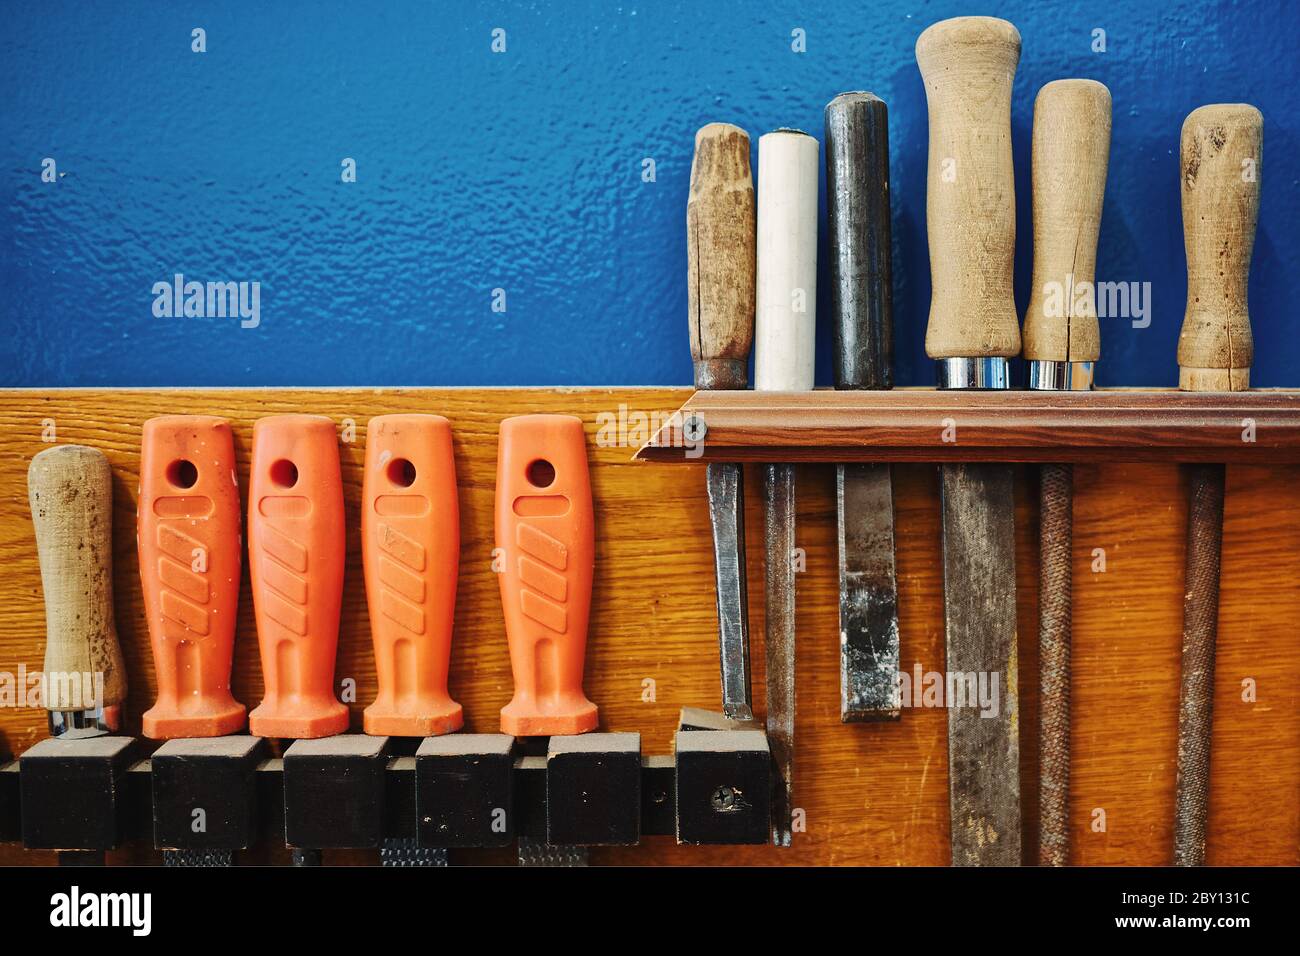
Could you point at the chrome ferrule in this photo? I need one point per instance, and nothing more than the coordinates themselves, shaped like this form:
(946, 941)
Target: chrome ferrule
(989, 372)
(1053, 376)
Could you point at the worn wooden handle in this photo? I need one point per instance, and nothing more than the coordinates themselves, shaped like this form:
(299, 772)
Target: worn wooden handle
(70, 489)
(1222, 156)
(720, 256)
(1071, 154)
(787, 261)
(967, 64)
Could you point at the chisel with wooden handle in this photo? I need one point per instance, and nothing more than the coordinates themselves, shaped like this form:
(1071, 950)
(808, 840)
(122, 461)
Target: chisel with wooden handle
(967, 65)
(1221, 159)
(1071, 153)
(786, 301)
(857, 202)
(720, 249)
(70, 490)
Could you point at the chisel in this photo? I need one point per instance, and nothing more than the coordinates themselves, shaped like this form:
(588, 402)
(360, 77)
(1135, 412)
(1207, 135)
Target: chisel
(410, 551)
(545, 530)
(857, 203)
(967, 65)
(296, 544)
(786, 301)
(1071, 153)
(720, 293)
(189, 543)
(187, 535)
(1221, 160)
(70, 491)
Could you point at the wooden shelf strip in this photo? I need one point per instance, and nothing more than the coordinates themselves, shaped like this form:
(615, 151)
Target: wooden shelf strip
(1111, 425)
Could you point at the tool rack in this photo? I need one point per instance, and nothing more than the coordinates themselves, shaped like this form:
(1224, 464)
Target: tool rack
(1109, 426)
(460, 791)
(928, 425)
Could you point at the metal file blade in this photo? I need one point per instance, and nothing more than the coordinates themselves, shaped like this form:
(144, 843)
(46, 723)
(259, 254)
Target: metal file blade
(979, 598)
(868, 593)
(726, 491)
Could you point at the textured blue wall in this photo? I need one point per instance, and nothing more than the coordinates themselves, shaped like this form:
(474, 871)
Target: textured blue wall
(522, 171)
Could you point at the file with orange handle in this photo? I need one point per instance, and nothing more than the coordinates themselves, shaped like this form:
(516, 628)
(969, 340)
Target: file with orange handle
(295, 560)
(187, 532)
(410, 548)
(545, 533)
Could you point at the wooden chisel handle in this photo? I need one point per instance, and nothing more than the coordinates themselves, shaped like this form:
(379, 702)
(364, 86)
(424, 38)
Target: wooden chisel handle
(1222, 156)
(720, 257)
(857, 205)
(1070, 157)
(967, 64)
(70, 489)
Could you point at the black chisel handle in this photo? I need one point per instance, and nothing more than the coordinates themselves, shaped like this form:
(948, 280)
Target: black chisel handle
(857, 200)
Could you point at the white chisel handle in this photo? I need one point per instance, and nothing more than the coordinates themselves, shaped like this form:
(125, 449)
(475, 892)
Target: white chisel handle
(787, 262)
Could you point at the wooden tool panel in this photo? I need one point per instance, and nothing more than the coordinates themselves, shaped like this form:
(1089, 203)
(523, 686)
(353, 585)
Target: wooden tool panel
(872, 794)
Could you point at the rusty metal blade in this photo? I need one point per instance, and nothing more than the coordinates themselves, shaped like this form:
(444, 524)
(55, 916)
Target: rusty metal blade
(726, 490)
(779, 564)
(979, 584)
(868, 594)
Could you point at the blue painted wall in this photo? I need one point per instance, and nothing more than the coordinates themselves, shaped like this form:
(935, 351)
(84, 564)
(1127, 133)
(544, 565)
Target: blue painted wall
(522, 171)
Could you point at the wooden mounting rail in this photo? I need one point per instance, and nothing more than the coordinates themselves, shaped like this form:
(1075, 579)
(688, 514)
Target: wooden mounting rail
(919, 424)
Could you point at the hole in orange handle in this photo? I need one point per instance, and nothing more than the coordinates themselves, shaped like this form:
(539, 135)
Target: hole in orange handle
(540, 473)
(401, 472)
(182, 473)
(284, 473)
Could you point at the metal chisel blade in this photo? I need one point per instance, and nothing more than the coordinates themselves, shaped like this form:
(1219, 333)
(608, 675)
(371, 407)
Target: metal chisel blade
(979, 587)
(726, 490)
(868, 594)
(779, 514)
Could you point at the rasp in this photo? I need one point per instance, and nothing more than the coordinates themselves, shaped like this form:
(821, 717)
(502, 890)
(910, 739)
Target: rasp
(857, 204)
(1071, 152)
(1221, 159)
(967, 65)
(783, 362)
(720, 248)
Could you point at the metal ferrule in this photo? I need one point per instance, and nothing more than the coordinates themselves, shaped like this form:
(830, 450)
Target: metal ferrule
(991, 372)
(1053, 376)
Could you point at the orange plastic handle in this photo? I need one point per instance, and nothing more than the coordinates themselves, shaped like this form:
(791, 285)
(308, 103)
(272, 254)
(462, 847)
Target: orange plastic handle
(295, 558)
(187, 532)
(545, 533)
(410, 547)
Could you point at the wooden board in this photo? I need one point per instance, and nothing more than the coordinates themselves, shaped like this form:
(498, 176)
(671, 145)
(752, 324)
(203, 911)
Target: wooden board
(927, 425)
(872, 794)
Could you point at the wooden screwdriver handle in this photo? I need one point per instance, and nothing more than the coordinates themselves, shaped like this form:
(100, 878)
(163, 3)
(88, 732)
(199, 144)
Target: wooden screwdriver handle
(967, 64)
(720, 248)
(1221, 158)
(1071, 154)
(70, 489)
